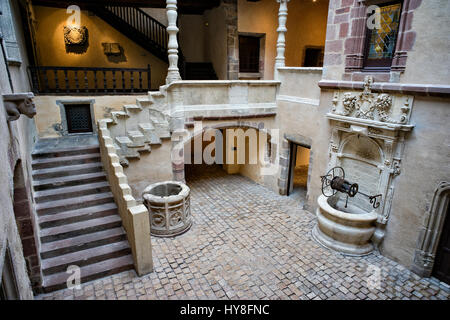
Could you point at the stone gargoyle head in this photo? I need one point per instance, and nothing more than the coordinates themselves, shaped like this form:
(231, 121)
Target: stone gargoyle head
(19, 103)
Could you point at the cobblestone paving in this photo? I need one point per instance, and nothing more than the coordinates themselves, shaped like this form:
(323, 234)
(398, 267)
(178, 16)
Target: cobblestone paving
(249, 243)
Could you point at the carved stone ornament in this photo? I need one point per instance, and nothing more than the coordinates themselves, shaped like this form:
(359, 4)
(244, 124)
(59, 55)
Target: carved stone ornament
(75, 35)
(369, 106)
(19, 103)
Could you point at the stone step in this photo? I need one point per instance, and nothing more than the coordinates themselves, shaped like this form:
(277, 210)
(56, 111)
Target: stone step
(124, 142)
(63, 171)
(67, 181)
(148, 130)
(85, 257)
(77, 228)
(64, 152)
(131, 108)
(137, 138)
(58, 206)
(42, 163)
(82, 242)
(70, 192)
(89, 272)
(143, 102)
(71, 216)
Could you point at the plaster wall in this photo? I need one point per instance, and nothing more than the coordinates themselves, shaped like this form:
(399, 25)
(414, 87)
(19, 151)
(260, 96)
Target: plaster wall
(48, 117)
(428, 61)
(306, 24)
(192, 37)
(300, 114)
(51, 48)
(159, 14)
(216, 41)
(152, 167)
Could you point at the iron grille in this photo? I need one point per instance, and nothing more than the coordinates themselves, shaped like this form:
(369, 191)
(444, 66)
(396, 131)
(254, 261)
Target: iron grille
(78, 118)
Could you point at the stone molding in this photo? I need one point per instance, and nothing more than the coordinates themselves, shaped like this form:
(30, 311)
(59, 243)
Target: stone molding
(436, 90)
(135, 217)
(431, 231)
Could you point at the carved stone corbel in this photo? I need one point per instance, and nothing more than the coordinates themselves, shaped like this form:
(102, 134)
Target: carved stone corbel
(19, 103)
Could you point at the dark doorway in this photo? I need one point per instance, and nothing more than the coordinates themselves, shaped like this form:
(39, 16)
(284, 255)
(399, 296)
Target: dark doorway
(249, 54)
(298, 171)
(8, 286)
(78, 118)
(441, 269)
(313, 57)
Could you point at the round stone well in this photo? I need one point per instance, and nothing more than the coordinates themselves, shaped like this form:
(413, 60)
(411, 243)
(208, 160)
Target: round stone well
(168, 203)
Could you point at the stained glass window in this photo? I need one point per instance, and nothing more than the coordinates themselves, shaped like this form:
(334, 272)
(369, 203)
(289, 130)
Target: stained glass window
(381, 41)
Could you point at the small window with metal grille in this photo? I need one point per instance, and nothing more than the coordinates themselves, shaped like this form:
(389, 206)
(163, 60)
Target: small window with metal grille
(382, 39)
(78, 118)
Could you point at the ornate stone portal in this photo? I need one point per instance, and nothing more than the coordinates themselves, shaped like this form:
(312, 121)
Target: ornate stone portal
(169, 205)
(367, 140)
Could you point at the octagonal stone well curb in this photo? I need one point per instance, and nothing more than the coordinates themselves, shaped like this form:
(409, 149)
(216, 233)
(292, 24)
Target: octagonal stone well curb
(169, 205)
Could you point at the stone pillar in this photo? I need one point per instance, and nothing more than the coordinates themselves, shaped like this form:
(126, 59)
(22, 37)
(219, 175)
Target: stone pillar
(281, 42)
(231, 20)
(173, 74)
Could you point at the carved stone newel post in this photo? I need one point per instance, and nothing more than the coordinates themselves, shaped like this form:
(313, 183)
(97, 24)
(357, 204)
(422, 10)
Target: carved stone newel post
(173, 73)
(281, 42)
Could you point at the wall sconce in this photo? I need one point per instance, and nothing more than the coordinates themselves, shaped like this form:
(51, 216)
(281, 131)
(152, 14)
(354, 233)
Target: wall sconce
(112, 49)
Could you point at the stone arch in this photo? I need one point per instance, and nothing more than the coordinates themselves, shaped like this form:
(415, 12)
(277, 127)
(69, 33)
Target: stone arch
(179, 170)
(344, 146)
(431, 231)
(25, 221)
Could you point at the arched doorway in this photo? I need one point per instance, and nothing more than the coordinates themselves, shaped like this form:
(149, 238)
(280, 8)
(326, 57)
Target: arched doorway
(233, 148)
(441, 269)
(432, 257)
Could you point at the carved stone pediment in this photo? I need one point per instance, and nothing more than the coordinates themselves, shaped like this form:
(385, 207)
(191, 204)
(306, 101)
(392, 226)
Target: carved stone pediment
(381, 108)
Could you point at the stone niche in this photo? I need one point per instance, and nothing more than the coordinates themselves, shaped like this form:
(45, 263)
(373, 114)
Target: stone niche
(367, 140)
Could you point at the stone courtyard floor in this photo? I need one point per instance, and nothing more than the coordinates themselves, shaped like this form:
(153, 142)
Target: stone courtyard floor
(249, 243)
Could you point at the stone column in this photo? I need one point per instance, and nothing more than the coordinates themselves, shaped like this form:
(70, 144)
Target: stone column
(173, 74)
(281, 42)
(231, 20)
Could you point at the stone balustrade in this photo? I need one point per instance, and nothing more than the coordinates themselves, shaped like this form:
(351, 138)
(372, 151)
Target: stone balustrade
(223, 98)
(135, 217)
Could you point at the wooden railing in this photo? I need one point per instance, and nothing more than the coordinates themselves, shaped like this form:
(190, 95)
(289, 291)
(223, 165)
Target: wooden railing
(152, 29)
(141, 28)
(79, 80)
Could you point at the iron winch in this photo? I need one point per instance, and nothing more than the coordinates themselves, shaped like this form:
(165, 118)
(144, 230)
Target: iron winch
(334, 181)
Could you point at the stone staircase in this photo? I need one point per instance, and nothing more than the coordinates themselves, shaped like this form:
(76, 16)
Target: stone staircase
(140, 126)
(78, 219)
